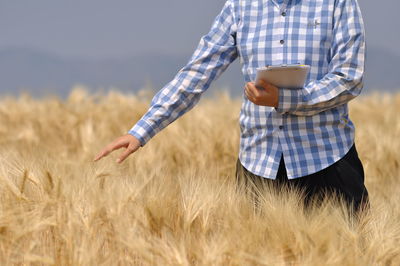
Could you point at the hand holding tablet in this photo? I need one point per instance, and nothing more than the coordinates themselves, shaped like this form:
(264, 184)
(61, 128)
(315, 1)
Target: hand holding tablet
(285, 76)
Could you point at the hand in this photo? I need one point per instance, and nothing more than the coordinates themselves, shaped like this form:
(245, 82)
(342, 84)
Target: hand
(127, 141)
(267, 95)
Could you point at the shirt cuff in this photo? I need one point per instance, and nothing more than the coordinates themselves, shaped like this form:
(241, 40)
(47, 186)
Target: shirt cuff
(142, 131)
(289, 100)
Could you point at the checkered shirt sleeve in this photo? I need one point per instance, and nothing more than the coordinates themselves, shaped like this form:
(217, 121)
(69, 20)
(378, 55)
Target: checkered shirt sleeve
(215, 51)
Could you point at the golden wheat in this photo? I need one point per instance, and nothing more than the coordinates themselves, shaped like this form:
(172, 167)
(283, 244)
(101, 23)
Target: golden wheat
(174, 202)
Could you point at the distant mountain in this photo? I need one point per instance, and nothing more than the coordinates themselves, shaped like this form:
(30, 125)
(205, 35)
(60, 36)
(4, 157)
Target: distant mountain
(41, 73)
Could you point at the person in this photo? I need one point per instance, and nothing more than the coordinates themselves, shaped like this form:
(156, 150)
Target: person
(300, 136)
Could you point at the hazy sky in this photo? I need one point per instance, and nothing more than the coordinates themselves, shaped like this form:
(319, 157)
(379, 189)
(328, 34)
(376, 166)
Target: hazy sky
(107, 28)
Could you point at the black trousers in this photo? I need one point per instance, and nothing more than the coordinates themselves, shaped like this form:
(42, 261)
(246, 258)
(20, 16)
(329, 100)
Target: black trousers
(345, 179)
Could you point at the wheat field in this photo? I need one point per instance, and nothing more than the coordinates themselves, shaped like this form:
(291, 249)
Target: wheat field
(174, 202)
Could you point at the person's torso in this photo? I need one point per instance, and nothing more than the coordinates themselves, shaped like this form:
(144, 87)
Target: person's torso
(287, 32)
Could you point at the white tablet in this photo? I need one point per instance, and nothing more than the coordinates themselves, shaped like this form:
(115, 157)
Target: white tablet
(284, 76)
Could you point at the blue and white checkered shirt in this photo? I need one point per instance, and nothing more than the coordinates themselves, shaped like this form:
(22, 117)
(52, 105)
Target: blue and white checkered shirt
(311, 125)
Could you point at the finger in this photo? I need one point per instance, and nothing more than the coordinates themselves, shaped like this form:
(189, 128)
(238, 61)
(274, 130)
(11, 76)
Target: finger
(245, 92)
(248, 94)
(117, 144)
(131, 149)
(250, 91)
(101, 154)
(253, 90)
(98, 157)
(250, 97)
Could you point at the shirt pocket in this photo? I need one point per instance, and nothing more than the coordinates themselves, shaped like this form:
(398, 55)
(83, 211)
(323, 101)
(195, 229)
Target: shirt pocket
(318, 32)
(310, 39)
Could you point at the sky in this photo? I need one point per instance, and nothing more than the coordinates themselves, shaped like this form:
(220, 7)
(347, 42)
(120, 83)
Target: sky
(117, 28)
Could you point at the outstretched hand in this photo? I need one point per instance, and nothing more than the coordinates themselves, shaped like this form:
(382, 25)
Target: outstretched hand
(267, 94)
(127, 141)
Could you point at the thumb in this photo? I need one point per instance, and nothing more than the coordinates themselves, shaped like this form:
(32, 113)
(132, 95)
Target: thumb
(130, 149)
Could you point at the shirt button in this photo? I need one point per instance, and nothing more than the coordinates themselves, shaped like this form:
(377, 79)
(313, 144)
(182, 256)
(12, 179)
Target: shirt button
(280, 127)
(283, 13)
(282, 41)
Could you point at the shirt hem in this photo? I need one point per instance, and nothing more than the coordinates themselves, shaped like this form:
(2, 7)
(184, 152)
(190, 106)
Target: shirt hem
(336, 159)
